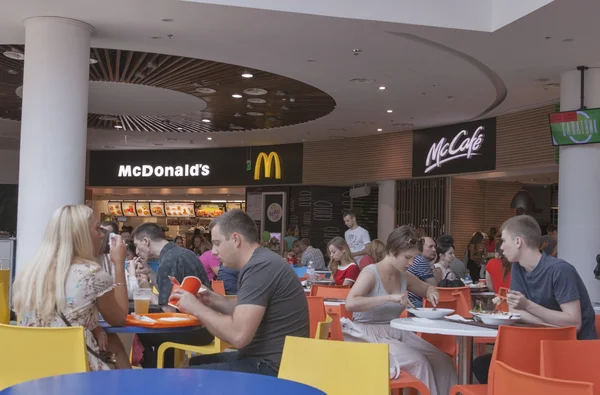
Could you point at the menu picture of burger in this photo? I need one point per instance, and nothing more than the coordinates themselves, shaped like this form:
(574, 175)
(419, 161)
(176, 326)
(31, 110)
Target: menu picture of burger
(129, 209)
(142, 209)
(114, 208)
(157, 209)
(208, 210)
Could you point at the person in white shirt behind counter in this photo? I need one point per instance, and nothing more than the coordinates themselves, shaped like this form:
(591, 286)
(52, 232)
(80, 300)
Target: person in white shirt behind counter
(357, 237)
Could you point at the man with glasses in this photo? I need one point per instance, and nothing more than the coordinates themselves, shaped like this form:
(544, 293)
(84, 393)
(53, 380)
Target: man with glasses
(422, 267)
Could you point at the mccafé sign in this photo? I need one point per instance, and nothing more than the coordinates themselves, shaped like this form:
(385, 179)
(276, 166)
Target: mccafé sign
(462, 148)
(235, 166)
(268, 161)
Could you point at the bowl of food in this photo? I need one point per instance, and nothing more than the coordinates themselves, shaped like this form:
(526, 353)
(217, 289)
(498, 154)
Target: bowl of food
(497, 319)
(431, 313)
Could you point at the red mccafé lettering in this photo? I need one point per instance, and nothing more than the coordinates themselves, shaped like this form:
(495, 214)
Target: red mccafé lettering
(445, 151)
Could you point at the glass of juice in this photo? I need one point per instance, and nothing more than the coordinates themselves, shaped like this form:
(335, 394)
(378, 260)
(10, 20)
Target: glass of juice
(141, 300)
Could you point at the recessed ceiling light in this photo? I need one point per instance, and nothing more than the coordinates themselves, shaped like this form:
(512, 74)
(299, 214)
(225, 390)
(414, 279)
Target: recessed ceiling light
(380, 130)
(206, 120)
(255, 91)
(236, 96)
(179, 128)
(118, 127)
(93, 61)
(256, 100)
(237, 115)
(11, 71)
(14, 55)
(209, 138)
(382, 88)
(166, 20)
(390, 111)
(205, 90)
(247, 75)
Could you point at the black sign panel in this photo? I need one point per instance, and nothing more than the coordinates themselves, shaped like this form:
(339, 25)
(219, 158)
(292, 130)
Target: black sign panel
(462, 148)
(268, 165)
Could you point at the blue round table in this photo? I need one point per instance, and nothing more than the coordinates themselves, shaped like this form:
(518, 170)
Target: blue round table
(141, 329)
(161, 382)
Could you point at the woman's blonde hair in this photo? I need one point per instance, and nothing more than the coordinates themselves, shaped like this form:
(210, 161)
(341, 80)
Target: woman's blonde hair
(340, 244)
(39, 288)
(377, 250)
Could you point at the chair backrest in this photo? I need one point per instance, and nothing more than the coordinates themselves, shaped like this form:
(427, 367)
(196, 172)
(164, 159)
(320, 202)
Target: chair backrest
(335, 367)
(503, 292)
(575, 360)
(331, 292)
(218, 286)
(511, 381)
(598, 324)
(462, 296)
(316, 313)
(34, 353)
(520, 347)
(4, 298)
(335, 330)
(442, 304)
(323, 329)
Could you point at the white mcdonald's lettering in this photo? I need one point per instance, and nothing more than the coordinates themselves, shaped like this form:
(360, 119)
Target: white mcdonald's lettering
(197, 170)
(272, 157)
(445, 151)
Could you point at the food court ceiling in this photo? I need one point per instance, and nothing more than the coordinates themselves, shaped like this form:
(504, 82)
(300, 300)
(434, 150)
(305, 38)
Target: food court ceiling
(432, 76)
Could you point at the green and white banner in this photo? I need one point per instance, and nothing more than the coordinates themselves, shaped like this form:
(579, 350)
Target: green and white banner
(575, 127)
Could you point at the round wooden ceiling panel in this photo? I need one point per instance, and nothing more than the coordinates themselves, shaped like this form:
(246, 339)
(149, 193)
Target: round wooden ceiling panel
(177, 94)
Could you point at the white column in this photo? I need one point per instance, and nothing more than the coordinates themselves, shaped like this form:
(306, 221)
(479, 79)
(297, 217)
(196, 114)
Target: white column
(54, 127)
(579, 187)
(386, 212)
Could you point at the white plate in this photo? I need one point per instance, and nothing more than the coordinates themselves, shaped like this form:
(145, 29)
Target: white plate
(173, 319)
(430, 313)
(499, 319)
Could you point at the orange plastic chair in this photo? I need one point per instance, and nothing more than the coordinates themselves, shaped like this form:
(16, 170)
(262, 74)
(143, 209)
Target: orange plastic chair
(335, 330)
(410, 382)
(598, 324)
(502, 292)
(574, 360)
(463, 299)
(339, 310)
(316, 313)
(444, 343)
(330, 292)
(511, 381)
(218, 287)
(518, 347)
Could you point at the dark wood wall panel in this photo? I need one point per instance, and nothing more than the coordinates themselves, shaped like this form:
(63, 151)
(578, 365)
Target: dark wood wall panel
(361, 159)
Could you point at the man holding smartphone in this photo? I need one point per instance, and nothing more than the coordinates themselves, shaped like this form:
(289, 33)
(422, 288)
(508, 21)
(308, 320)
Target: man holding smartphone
(544, 290)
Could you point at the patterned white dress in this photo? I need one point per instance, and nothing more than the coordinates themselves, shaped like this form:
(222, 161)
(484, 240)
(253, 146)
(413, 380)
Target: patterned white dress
(85, 283)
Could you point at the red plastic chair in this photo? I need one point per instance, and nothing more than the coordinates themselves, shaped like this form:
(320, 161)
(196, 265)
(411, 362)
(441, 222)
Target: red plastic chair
(511, 381)
(218, 287)
(519, 348)
(316, 313)
(574, 360)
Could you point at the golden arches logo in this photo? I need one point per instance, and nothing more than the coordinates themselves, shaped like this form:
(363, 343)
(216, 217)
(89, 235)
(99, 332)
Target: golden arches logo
(268, 161)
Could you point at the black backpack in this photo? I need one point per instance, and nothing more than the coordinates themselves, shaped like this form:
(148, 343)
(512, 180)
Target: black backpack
(445, 283)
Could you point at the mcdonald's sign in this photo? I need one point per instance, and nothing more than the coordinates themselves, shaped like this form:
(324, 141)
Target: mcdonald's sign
(269, 161)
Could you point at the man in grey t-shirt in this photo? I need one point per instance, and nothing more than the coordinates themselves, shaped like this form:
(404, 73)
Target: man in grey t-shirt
(270, 302)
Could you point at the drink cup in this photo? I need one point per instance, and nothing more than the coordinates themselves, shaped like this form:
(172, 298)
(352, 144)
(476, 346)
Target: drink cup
(141, 300)
(190, 284)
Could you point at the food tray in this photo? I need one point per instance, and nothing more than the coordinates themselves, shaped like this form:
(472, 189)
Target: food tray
(190, 320)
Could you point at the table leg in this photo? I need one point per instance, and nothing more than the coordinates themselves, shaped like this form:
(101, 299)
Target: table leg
(463, 359)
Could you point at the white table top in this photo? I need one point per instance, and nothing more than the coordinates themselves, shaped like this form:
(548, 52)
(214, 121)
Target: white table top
(442, 327)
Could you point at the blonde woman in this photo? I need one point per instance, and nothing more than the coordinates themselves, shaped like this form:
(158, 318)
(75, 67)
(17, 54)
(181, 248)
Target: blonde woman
(379, 296)
(63, 283)
(376, 254)
(343, 268)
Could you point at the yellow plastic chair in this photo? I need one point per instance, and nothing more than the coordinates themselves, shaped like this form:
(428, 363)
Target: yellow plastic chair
(217, 346)
(4, 308)
(318, 362)
(35, 353)
(323, 329)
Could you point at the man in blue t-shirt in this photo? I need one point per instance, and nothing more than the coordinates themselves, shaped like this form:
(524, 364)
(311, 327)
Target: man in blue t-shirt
(543, 289)
(422, 267)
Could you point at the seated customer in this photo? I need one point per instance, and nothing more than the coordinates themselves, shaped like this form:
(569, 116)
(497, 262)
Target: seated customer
(543, 289)
(379, 296)
(376, 254)
(344, 269)
(423, 268)
(270, 302)
(457, 266)
(173, 261)
(497, 271)
(443, 261)
(209, 261)
(309, 253)
(230, 279)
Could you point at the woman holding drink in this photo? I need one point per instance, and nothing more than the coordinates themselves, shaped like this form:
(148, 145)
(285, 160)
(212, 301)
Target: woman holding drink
(64, 285)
